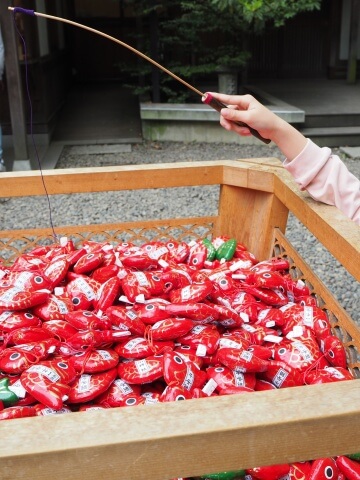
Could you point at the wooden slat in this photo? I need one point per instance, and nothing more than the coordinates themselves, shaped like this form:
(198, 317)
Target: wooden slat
(256, 174)
(16, 242)
(188, 438)
(339, 235)
(107, 227)
(134, 177)
(103, 179)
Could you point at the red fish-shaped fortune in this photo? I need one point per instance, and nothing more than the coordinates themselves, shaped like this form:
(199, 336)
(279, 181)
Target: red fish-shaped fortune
(48, 382)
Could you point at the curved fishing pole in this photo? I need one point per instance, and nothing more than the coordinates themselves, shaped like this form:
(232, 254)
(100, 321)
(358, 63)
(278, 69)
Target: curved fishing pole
(206, 97)
(109, 37)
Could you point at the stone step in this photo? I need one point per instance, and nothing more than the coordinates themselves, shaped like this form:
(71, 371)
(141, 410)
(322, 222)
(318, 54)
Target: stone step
(333, 136)
(331, 120)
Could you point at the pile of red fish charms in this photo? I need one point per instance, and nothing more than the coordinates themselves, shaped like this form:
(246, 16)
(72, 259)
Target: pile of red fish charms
(101, 326)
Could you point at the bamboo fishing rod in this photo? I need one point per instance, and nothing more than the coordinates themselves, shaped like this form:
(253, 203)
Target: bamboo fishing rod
(207, 98)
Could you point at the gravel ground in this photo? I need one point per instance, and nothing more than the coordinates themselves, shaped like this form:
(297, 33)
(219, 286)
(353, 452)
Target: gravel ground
(111, 207)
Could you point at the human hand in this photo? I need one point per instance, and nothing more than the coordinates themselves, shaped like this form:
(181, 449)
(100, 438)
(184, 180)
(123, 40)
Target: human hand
(246, 109)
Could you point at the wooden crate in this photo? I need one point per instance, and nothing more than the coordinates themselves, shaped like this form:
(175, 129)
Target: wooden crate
(182, 439)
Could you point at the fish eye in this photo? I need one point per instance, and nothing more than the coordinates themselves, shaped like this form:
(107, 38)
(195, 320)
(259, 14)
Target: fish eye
(14, 356)
(130, 401)
(179, 397)
(63, 365)
(178, 359)
(38, 279)
(329, 472)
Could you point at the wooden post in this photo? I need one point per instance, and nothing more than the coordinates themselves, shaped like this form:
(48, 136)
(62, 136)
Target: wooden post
(250, 216)
(354, 29)
(14, 85)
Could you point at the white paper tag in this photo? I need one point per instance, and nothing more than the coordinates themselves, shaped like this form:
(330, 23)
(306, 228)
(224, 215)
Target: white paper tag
(335, 373)
(85, 288)
(198, 329)
(18, 389)
(84, 384)
(201, 350)
(142, 279)
(134, 343)
(185, 293)
(22, 280)
(244, 317)
(239, 377)
(142, 366)
(51, 411)
(272, 338)
(123, 386)
(308, 316)
(189, 379)
(280, 377)
(46, 372)
(304, 351)
(4, 316)
(209, 387)
(104, 354)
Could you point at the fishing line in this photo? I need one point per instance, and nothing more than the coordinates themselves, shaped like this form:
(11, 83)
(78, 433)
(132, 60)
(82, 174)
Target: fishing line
(31, 127)
(207, 98)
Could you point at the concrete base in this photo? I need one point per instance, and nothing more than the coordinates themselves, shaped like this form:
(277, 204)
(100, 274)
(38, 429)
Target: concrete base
(352, 152)
(21, 165)
(37, 153)
(197, 122)
(191, 131)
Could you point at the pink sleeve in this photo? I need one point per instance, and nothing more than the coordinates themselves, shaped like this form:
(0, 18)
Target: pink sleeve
(326, 179)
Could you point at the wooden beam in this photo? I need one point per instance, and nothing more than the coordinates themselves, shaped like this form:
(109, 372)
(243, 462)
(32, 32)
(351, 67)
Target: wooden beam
(181, 439)
(104, 179)
(339, 235)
